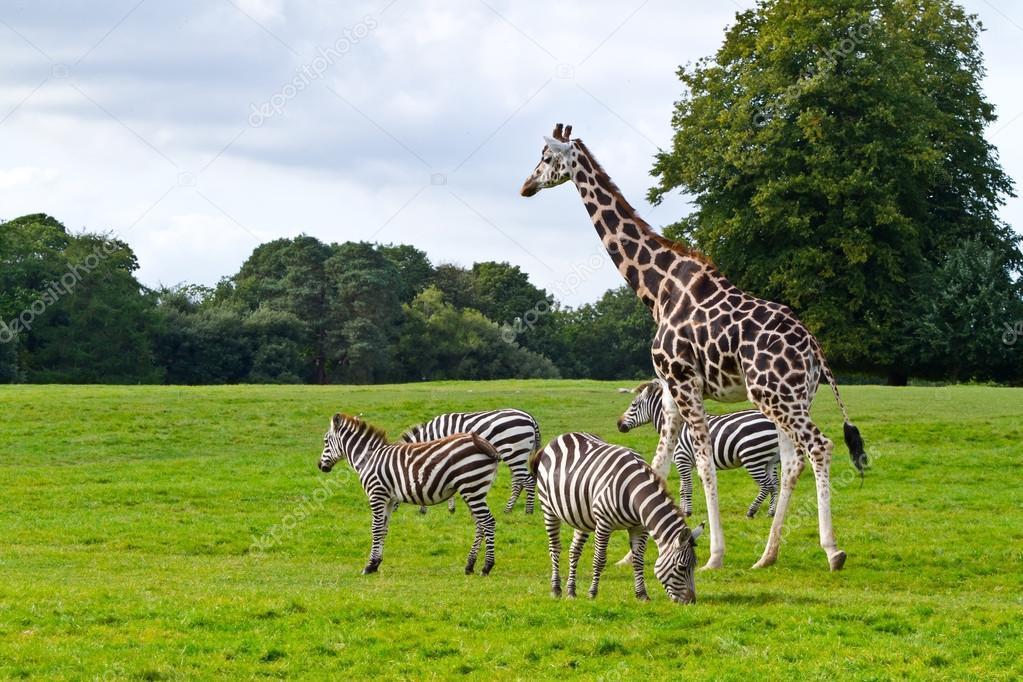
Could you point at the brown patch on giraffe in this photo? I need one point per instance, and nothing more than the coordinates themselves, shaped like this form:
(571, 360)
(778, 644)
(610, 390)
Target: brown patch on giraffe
(591, 208)
(602, 198)
(644, 256)
(610, 219)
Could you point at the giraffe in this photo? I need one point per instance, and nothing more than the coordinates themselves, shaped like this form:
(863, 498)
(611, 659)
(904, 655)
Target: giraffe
(713, 340)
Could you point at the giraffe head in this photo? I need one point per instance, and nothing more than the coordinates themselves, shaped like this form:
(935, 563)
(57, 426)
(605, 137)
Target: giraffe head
(555, 165)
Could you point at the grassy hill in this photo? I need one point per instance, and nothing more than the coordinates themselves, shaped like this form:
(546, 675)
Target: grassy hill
(179, 533)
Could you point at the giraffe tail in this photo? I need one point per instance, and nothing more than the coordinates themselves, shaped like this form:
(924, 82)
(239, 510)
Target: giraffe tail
(851, 434)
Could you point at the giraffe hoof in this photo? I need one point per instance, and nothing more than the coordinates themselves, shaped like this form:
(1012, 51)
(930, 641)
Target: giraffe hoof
(763, 563)
(712, 565)
(837, 561)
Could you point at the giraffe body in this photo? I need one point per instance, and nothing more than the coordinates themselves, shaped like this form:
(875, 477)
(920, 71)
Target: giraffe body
(713, 340)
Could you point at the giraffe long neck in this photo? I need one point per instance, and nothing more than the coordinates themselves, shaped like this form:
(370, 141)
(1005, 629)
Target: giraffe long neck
(630, 242)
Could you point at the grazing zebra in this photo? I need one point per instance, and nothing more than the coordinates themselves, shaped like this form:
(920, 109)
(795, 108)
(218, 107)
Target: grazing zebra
(740, 439)
(598, 488)
(514, 433)
(745, 439)
(420, 473)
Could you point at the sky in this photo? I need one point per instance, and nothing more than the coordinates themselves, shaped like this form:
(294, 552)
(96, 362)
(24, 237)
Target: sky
(196, 130)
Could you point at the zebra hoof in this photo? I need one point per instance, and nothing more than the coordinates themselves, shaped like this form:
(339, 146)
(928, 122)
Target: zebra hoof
(372, 568)
(751, 515)
(556, 592)
(837, 561)
(470, 570)
(643, 597)
(591, 594)
(422, 510)
(486, 569)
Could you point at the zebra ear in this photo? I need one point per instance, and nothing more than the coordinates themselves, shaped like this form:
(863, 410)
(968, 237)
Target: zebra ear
(337, 421)
(697, 532)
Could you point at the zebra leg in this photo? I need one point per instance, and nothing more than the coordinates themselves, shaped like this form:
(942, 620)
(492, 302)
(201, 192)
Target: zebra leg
(637, 540)
(601, 536)
(485, 524)
(381, 509)
(763, 480)
(774, 491)
(514, 497)
(451, 504)
(574, 552)
(685, 484)
(553, 526)
(530, 494)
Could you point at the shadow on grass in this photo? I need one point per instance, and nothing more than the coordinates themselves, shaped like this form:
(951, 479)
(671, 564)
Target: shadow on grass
(758, 599)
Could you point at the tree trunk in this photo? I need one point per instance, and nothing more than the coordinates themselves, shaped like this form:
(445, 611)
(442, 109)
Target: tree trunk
(898, 377)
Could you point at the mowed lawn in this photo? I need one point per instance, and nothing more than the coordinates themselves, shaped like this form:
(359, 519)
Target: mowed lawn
(184, 533)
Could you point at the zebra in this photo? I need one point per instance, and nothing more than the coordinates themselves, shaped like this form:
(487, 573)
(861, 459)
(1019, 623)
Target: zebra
(747, 439)
(514, 433)
(596, 487)
(420, 473)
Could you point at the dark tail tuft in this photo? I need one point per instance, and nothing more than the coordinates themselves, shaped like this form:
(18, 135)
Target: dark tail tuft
(485, 446)
(854, 441)
(534, 460)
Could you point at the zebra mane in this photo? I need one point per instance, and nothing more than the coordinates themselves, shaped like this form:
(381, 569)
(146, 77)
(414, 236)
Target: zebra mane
(359, 427)
(644, 386)
(409, 434)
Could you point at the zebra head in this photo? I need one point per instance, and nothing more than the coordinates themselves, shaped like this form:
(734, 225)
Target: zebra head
(674, 567)
(351, 438)
(332, 446)
(555, 165)
(641, 410)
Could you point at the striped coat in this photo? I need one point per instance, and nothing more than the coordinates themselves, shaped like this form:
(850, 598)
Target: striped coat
(417, 473)
(745, 439)
(514, 433)
(598, 488)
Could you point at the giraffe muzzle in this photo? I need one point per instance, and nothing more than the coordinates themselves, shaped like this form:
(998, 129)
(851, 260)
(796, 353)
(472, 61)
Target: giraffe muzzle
(529, 188)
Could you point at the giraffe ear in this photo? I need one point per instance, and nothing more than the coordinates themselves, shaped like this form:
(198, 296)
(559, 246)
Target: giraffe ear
(556, 146)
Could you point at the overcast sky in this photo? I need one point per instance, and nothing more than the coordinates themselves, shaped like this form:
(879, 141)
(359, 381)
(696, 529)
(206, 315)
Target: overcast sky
(173, 125)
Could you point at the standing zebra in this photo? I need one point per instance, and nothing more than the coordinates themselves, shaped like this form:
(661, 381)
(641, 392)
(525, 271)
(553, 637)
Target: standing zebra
(420, 473)
(598, 488)
(514, 433)
(740, 439)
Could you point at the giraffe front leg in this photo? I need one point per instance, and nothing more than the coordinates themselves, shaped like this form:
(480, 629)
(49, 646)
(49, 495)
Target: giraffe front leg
(574, 552)
(637, 540)
(381, 511)
(553, 525)
(600, 538)
(688, 396)
(791, 468)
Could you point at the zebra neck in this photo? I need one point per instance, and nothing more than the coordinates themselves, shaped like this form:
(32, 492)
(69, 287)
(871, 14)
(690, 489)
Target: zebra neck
(657, 413)
(664, 521)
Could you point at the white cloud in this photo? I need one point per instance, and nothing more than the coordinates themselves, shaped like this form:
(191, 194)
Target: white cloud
(438, 86)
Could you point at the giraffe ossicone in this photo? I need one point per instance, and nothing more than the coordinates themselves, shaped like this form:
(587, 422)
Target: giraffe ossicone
(713, 340)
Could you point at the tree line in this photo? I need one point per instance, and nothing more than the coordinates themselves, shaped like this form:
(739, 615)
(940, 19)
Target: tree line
(297, 311)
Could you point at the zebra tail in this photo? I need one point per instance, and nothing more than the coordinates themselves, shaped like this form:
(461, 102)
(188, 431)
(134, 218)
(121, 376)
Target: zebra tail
(851, 434)
(484, 445)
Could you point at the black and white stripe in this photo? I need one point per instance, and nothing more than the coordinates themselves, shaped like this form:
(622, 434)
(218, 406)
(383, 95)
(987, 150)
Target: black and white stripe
(514, 433)
(419, 473)
(740, 439)
(598, 488)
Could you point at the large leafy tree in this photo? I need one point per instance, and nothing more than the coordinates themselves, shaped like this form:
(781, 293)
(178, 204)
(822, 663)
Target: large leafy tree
(836, 156)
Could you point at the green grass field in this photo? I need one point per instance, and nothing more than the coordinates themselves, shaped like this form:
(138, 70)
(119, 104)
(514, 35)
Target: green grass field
(184, 533)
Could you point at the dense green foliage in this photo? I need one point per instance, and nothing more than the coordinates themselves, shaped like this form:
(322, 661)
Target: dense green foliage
(297, 311)
(181, 533)
(837, 158)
